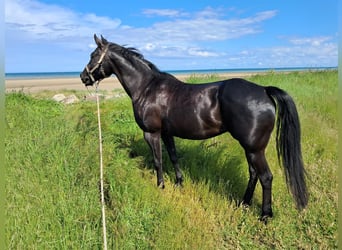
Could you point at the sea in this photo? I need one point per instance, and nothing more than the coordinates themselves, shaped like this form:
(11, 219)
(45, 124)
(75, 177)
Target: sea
(46, 75)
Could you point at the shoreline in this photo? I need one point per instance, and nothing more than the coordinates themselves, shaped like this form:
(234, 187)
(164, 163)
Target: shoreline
(34, 85)
(73, 83)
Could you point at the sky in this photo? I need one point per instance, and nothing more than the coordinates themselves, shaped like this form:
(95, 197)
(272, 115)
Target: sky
(57, 35)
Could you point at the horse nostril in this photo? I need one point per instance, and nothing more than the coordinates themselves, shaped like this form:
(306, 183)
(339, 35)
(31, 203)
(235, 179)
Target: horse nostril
(84, 78)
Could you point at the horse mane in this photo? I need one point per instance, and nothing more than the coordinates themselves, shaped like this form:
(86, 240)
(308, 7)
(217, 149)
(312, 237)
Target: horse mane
(132, 54)
(135, 53)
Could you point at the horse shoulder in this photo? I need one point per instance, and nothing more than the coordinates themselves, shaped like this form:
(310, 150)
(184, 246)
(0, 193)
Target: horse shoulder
(149, 108)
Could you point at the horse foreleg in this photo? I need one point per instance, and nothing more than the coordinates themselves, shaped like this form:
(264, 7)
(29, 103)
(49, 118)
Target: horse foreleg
(171, 149)
(153, 140)
(258, 161)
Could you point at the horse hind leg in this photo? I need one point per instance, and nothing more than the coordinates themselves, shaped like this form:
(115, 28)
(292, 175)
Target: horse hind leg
(253, 179)
(259, 164)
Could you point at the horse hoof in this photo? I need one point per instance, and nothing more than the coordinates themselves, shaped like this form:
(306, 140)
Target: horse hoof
(178, 185)
(161, 185)
(244, 205)
(265, 218)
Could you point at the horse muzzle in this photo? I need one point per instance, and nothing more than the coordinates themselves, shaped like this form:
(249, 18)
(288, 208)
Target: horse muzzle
(86, 79)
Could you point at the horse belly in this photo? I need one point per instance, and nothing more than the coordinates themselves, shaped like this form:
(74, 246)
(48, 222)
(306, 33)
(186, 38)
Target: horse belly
(194, 126)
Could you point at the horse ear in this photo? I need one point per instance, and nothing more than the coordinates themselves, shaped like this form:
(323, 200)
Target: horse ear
(104, 41)
(98, 41)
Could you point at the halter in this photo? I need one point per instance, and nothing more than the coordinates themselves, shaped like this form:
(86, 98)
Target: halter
(90, 72)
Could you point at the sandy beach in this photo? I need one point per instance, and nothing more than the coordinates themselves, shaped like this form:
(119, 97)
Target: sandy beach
(74, 83)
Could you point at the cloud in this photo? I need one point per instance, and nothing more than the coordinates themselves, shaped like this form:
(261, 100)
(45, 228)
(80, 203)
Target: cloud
(308, 51)
(313, 41)
(176, 51)
(44, 21)
(299, 52)
(209, 26)
(201, 52)
(177, 37)
(210, 12)
(163, 12)
(37, 21)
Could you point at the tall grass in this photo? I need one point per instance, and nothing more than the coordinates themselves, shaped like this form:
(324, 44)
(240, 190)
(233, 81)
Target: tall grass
(52, 179)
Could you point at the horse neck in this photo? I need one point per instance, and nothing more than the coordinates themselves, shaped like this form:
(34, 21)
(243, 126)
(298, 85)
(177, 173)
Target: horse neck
(132, 78)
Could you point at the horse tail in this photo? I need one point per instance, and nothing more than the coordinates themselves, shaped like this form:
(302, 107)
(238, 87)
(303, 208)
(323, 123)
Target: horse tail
(289, 146)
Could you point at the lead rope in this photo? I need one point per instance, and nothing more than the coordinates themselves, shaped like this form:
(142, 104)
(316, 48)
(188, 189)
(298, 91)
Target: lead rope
(103, 204)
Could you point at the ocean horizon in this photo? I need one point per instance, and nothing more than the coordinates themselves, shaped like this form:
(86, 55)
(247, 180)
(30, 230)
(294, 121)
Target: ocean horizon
(72, 74)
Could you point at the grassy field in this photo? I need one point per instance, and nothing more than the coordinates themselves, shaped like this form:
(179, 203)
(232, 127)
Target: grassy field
(52, 181)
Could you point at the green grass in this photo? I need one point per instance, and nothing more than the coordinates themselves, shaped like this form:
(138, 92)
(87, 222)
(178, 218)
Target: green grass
(52, 181)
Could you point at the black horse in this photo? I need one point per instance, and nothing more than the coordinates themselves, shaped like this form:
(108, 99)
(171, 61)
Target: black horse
(165, 107)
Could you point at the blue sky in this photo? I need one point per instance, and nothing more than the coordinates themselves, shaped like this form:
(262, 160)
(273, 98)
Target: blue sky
(57, 35)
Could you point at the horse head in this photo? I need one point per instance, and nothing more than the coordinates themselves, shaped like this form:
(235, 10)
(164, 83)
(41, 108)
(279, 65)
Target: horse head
(98, 67)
